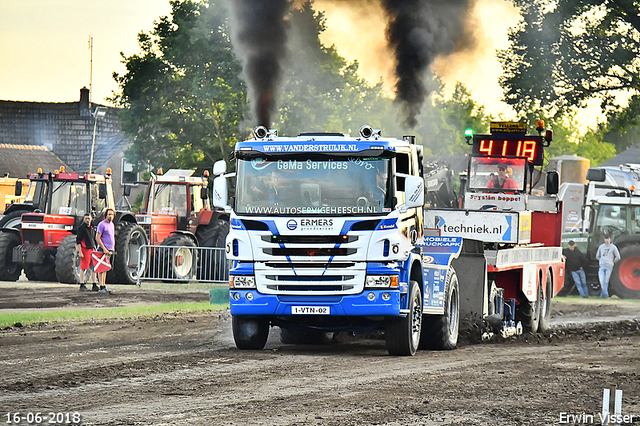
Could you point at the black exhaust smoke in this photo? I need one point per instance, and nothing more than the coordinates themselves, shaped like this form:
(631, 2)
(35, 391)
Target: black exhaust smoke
(417, 32)
(259, 37)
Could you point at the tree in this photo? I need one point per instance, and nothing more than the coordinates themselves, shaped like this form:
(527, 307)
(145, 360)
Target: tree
(442, 123)
(567, 51)
(182, 97)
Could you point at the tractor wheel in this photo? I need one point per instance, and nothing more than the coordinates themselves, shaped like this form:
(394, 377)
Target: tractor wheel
(9, 271)
(625, 278)
(402, 334)
(545, 305)
(128, 258)
(13, 219)
(68, 261)
(441, 331)
(42, 272)
(180, 262)
(250, 332)
(213, 234)
(212, 263)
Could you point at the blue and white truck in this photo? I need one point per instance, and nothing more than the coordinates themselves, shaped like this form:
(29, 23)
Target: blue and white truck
(327, 234)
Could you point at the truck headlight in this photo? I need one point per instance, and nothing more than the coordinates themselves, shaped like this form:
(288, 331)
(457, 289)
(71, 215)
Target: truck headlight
(243, 281)
(381, 281)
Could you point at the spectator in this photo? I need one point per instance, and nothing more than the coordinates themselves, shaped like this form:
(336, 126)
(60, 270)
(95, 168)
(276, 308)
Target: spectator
(575, 265)
(502, 180)
(607, 255)
(86, 243)
(106, 242)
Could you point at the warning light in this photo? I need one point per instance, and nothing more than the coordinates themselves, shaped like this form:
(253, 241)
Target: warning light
(540, 126)
(206, 173)
(61, 169)
(159, 171)
(39, 171)
(109, 170)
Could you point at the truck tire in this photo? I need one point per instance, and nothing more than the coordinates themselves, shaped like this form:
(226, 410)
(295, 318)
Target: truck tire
(528, 313)
(181, 262)
(9, 271)
(545, 305)
(402, 334)
(250, 333)
(124, 265)
(13, 219)
(441, 331)
(625, 277)
(214, 234)
(45, 271)
(68, 261)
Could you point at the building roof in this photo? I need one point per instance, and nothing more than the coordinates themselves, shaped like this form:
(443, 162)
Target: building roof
(19, 160)
(103, 152)
(630, 156)
(66, 129)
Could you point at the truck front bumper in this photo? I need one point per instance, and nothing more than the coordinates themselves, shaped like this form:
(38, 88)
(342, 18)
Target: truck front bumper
(376, 302)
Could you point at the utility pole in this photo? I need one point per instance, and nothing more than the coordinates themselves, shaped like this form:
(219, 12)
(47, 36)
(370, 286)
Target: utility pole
(90, 68)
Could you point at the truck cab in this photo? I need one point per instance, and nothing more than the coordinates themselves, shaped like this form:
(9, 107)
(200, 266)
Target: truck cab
(323, 234)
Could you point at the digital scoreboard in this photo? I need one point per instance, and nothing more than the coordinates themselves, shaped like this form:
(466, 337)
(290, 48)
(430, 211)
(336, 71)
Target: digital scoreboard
(510, 145)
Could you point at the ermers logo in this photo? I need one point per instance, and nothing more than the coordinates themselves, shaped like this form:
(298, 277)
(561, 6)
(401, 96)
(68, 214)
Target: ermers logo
(316, 222)
(292, 225)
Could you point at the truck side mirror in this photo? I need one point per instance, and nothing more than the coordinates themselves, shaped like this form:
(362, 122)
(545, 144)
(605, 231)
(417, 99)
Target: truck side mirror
(414, 192)
(220, 192)
(219, 168)
(18, 191)
(552, 182)
(204, 193)
(126, 191)
(596, 175)
(102, 191)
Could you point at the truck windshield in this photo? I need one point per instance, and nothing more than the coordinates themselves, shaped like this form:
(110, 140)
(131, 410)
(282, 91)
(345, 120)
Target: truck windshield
(329, 186)
(497, 173)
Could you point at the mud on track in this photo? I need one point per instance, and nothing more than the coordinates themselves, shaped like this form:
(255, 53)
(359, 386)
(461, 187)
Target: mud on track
(183, 369)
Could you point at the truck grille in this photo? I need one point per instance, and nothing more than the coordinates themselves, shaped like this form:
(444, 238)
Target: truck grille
(33, 236)
(310, 251)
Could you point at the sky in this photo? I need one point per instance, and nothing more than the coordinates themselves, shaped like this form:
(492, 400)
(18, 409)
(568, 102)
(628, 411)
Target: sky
(45, 55)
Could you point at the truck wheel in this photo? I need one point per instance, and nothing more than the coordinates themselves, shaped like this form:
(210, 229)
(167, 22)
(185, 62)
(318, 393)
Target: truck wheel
(124, 265)
(402, 334)
(68, 261)
(213, 234)
(13, 219)
(625, 278)
(9, 271)
(441, 331)
(545, 305)
(250, 332)
(528, 313)
(180, 262)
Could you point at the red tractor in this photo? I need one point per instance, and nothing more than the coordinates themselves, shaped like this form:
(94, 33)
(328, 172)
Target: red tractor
(43, 241)
(177, 213)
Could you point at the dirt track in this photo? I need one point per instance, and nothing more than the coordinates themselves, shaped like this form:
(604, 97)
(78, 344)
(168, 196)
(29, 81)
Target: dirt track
(184, 370)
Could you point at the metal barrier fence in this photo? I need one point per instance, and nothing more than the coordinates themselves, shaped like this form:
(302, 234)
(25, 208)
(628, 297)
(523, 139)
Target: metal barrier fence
(183, 264)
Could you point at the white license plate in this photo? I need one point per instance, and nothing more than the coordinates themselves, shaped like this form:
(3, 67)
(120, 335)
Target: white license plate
(310, 310)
